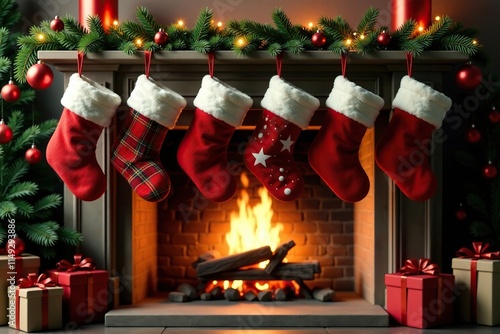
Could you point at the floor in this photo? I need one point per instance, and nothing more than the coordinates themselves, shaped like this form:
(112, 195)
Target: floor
(100, 329)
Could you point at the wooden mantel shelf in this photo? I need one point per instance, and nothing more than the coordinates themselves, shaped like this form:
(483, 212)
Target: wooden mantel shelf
(258, 57)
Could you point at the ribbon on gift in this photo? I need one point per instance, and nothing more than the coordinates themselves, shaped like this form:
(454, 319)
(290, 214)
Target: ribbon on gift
(417, 267)
(479, 252)
(79, 264)
(34, 281)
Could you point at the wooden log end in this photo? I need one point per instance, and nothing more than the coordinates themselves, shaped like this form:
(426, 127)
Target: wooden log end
(177, 297)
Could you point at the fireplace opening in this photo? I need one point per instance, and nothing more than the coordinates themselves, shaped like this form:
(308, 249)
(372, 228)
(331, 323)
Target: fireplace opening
(319, 224)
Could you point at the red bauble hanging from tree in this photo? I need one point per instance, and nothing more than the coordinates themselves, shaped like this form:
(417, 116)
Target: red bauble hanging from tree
(318, 39)
(33, 155)
(468, 77)
(15, 246)
(11, 92)
(6, 133)
(57, 24)
(39, 76)
(383, 39)
(461, 214)
(472, 135)
(161, 37)
(490, 171)
(494, 116)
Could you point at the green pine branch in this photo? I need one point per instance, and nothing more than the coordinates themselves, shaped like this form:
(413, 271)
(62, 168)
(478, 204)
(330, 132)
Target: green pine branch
(148, 22)
(42, 234)
(368, 21)
(20, 189)
(335, 29)
(7, 209)
(201, 30)
(285, 27)
(459, 43)
(439, 28)
(69, 236)
(476, 203)
(404, 32)
(24, 208)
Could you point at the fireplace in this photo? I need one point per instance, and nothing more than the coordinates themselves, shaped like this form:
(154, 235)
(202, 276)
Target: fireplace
(151, 247)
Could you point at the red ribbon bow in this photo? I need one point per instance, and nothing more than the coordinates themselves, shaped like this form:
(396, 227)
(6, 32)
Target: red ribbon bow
(85, 264)
(419, 267)
(479, 252)
(32, 281)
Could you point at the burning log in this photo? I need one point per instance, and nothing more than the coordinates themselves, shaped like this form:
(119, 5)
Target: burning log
(304, 289)
(324, 295)
(216, 293)
(232, 295)
(278, 256)
(232, 262)
(210, 255)
(286, 271)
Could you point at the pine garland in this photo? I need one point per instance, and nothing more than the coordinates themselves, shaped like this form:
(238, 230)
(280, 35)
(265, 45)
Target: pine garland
(243, 37)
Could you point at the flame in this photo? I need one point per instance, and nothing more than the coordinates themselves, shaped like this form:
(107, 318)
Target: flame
(251, 227)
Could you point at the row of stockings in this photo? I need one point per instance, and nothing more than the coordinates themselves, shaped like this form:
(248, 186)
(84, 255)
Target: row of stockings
(220, 109)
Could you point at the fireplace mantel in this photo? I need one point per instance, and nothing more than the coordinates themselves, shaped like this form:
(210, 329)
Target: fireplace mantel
(401, 228)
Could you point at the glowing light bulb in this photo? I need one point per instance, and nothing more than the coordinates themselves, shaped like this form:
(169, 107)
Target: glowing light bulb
(138, 42)
(362, 36)
(41, 37)
(420, 28)
(116, 23)
(348, 41)
(437, 18)
(474, 42)
(219, 24)
(241, 41)
(311, 24)
(355, 34)
(180, 23)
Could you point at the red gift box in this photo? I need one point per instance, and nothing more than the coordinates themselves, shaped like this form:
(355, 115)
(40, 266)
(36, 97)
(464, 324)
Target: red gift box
(420, 300)
(85, 291)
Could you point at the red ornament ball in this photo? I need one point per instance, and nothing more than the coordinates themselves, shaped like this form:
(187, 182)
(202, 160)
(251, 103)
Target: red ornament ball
(468, 77)
(15, 246)
(318, 39)
(33, 155)
(383, 39)
(161, 37)
(39, 76)
(461, 214)
(6, 133)
(472, 135)
(490, 171)
(10, 92)
(57, 24)
(494, 116)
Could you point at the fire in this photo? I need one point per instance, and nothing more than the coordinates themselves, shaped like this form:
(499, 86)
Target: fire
(251, 227)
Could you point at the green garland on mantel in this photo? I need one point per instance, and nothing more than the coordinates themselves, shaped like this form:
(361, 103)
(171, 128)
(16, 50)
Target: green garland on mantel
(243, 37)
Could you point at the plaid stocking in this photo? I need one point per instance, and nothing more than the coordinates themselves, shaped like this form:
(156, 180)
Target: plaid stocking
(136, 152)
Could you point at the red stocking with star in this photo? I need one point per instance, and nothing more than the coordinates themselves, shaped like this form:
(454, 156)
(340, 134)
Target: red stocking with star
(269, 153)
(202, 154)
(403, 152)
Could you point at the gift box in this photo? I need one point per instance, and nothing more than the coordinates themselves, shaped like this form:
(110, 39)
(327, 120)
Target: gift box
(36, 306)
(419, 299)
(11, 270)
(477, 272)
(85, 291)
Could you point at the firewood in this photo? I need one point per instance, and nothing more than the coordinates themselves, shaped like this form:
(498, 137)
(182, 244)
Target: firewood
(205, 296)
(324, 295)
(216, 293)
(177, 297)
(280, 295)
(188, 289)
(232, 295)
(304, 289)
(286, 271)
(250, 296)
(278, 256)
(210, 255)
(265, 296)
(235, 261)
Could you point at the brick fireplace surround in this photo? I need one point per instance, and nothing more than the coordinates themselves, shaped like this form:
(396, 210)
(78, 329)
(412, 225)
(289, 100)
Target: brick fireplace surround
(151, 247)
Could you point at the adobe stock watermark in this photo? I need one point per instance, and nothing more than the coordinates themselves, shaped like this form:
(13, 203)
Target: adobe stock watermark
(48, 10)
(458, 113)
(11, 271)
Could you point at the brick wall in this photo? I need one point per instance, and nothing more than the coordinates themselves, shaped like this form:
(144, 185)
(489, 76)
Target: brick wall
(364, 224)
(188, 225)
(144, 248)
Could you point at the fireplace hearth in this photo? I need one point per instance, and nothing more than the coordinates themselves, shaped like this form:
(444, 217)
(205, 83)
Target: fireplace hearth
(151, 247)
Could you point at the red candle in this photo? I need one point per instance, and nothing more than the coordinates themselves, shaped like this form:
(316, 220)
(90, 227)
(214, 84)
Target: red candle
(107, 10)
(403, 10)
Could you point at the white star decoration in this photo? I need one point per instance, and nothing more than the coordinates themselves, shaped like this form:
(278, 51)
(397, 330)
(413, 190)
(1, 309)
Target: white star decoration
(260, 158)
(287, 144)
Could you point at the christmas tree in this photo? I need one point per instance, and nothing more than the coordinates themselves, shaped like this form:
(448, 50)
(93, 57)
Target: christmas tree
(26, 184)
(478, 158)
